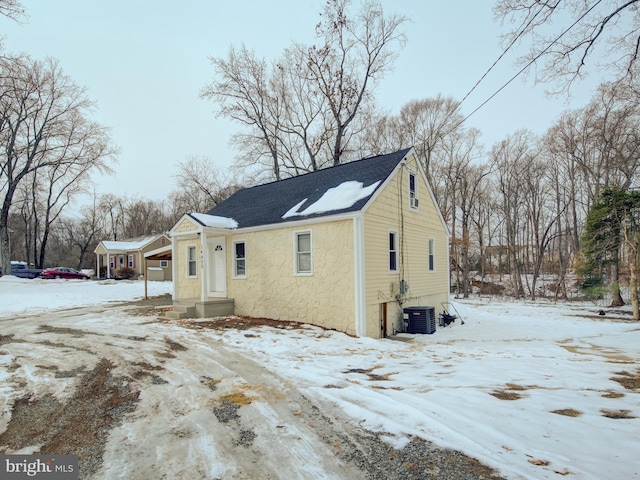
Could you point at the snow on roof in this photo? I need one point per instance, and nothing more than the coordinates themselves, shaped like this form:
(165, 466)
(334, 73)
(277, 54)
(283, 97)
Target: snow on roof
(337, 198)
(128, 245)
(215, 221)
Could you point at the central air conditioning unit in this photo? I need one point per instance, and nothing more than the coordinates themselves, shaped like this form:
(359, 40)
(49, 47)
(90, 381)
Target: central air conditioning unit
(419, 319)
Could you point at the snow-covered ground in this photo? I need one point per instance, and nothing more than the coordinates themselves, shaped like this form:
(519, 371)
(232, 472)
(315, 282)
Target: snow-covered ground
(498, 388)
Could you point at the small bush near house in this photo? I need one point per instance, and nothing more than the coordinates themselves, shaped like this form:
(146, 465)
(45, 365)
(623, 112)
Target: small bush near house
(125, 273)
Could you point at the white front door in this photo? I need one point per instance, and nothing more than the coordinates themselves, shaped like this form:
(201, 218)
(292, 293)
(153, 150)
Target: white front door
(217, 268)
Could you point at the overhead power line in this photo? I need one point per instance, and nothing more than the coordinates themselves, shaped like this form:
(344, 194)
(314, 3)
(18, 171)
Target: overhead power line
(515, 39)
(529, 64)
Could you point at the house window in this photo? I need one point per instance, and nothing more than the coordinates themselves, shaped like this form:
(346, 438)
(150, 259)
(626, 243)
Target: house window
(432, 254)
(393, 251)
(131, 261)
(191, 261)
(112, 262)
(240, 260)
(413, 193)
(303, 264)
(164, 263)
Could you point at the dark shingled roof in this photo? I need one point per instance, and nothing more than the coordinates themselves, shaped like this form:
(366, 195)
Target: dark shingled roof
(266, 204)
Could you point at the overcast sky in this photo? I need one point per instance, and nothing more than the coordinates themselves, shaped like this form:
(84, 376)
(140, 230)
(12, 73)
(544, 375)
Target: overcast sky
(145, 62)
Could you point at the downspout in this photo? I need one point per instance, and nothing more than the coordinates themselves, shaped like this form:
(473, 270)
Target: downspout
(359, 276)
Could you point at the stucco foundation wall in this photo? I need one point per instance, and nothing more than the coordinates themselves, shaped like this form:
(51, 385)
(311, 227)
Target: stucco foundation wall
(186, 287)
(391, 212)
(272, 290)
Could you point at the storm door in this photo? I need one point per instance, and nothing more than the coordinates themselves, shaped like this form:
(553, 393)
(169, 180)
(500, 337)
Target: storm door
(217, 268)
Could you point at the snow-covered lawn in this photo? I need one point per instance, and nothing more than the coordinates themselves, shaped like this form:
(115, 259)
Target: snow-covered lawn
(532, 390)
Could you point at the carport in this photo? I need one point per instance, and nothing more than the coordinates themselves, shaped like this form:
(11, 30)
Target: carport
(162, 253)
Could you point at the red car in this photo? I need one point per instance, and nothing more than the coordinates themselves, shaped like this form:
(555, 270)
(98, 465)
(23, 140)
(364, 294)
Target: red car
(63, 272)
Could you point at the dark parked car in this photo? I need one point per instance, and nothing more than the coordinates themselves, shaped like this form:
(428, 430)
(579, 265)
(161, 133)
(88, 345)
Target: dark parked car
(63, 272)
(22, 270)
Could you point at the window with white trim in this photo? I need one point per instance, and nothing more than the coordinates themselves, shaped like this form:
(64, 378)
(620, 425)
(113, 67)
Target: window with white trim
(432, 254)
(131, 261)
(393, 251)
(164, 263)
(239, 259)
(413, 190)
(192, 263)
(303, 260)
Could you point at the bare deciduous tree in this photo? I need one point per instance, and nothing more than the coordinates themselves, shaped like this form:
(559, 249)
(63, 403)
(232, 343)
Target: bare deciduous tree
(428, 123)
(44, 131)
(76, 237)
(424, 124)
(301, 110)
(354, 53)
(604, 37)
(201, 185)
(242, 89)
(12, 9)
(511, 158)
(463, 175)
(113, 209)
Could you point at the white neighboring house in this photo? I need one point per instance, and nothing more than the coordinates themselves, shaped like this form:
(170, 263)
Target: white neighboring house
(112, 256)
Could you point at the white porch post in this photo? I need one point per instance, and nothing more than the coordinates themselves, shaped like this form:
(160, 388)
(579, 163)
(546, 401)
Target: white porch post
(204, 260)
(145, 278)
(108, 265)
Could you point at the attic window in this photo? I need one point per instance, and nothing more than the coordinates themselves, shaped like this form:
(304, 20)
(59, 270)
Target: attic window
(413, 193)
(432, 255)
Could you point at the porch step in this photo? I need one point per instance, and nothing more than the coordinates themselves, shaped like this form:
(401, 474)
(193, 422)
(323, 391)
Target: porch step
(181, 311)
(199, 309)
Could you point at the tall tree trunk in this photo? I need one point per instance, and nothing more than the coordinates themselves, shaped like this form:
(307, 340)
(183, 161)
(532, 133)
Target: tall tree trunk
(633, 283)
(616, 295)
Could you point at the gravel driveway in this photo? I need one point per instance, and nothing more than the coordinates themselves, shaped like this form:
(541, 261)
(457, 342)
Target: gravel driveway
(138, 398)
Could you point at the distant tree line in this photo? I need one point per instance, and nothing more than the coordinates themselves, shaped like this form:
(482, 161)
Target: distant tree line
(518, 209)
(71, 238)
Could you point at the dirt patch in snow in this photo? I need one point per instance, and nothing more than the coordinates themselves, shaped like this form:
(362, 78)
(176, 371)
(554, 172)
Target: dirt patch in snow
(617, 414)
(78, 426)
(630, 381)
(237, 322)
(567, 412)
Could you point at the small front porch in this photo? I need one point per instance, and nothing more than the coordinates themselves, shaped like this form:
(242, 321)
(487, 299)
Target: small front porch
(196, 308)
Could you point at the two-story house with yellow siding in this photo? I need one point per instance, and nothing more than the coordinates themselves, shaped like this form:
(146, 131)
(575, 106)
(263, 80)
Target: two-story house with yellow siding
(346, 248)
